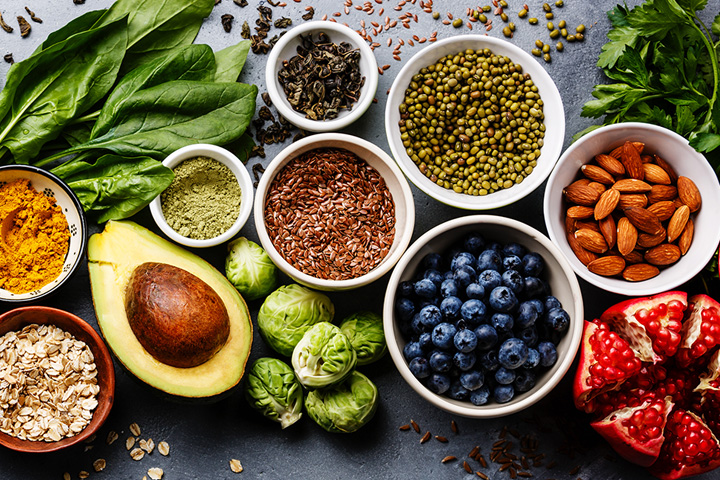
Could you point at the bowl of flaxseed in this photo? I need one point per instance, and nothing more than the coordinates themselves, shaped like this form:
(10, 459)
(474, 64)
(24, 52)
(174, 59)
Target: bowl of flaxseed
(334, 212)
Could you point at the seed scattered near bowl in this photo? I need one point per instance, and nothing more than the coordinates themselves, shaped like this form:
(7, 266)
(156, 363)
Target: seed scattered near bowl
(112, 436)
(99, 464)
(164, 448)
(147, 445)
(129, 443)
(236, 466)
(137, 454)
(135, 429)
(155, 473)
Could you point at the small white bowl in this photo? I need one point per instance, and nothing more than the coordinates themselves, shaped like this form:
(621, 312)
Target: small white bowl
(676, 151)
(557, 272)
(241, 174)
(44, 181)
(376, 158)
(285, 49)
(553, 110)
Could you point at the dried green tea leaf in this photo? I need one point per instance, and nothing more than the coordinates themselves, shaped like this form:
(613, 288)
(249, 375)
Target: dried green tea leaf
(227, 20)
(25, 27)
(5, 26)
(33, 17)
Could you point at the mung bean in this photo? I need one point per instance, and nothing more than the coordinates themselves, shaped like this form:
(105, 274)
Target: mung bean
(555, 33)
(457, 23)
(532, 21)
(580, 28)
(549, 15)
(522, 13)
(559, 47)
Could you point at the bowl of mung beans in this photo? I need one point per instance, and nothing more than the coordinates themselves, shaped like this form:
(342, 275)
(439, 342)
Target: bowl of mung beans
(334, 212)
(475, 122)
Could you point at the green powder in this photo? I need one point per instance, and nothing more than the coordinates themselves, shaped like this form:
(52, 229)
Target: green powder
(203, 201)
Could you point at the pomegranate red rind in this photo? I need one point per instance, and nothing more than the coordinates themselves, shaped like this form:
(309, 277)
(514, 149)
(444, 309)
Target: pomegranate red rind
(650, 324)
(700, 331)
(636, 433)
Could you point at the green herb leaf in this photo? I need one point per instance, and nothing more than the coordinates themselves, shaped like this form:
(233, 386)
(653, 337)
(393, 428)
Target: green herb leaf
(230, 61)
(715, 27)
(620, 38)
(77, 25)
(705, 141)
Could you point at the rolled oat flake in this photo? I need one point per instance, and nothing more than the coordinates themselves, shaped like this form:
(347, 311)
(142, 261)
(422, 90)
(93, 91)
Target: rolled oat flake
(204, 199)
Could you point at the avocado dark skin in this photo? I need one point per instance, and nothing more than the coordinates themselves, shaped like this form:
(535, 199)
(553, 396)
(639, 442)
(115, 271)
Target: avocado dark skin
(178, 318)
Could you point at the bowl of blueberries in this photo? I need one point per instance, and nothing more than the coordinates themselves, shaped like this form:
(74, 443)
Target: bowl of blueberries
(483, 316)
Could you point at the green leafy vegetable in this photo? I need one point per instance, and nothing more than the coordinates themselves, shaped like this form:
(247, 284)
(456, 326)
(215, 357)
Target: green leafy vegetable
(345, 407)
(273, 390)
(249, 269)
(366, 335)
(323, 356)
(230, 61)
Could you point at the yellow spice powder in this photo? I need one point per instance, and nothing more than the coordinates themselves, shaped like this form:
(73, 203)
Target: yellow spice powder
(34, 248)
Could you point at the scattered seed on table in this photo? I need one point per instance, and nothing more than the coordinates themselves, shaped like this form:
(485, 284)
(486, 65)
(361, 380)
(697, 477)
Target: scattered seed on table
(415, 426)
(466, 466)
(236, 466)
(449, 458)
(453, 426)
(482, 475)
(129, 443)
(405, 427)
(441, 439)
(135, 429)
(425, 437)
(99, 464)
(474, 451)
(164, 448)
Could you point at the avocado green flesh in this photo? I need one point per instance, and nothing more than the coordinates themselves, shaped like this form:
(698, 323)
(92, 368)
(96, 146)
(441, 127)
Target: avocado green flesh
(112, 257)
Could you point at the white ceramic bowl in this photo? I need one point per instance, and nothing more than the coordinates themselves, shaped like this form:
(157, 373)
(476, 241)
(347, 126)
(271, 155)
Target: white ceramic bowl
(241, 174)
(376, 158)
(557, 272)
(553, 110)
(285, 49)
(676, 151)
(44, 181)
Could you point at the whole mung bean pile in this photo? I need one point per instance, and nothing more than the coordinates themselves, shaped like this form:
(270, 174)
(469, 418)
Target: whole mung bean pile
(473, 122)
(330, 214)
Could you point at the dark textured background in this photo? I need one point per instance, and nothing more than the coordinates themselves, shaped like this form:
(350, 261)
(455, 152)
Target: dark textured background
(203, 438)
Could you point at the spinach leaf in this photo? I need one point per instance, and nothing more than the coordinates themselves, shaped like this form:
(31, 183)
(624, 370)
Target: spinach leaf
(230, 61)
(77, 25)
(56, 85)
(188, 62)
(115, 187)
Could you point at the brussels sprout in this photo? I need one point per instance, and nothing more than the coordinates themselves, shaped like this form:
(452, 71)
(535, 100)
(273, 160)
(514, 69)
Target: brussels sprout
(250, 269)
(366, 335)
(323, 356)
(288, 312)
(273, 390)
(345, 407)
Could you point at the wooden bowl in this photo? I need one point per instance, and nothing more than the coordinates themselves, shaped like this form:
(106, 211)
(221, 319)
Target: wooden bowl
(15, 320)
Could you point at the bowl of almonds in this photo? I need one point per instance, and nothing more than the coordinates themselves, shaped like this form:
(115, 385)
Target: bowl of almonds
(633, 207)
(57, 380)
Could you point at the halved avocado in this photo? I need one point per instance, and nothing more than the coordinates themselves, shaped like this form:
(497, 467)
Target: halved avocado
(113, 257)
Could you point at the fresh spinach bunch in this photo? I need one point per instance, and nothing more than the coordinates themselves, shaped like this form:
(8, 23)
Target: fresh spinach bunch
(664, 63)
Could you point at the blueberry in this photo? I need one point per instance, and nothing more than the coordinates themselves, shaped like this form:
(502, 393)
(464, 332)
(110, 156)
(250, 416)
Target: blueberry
(524, 380)
(480, 396)
(489, 361)
(533, 286)
(504, 376)
(475, 290)
(512, 262)
(472, 380)
(473, 311)
(448, 288)
(412, 350)
(440, 361)
(526, 315)
(405, 308)
(464, 276)
(416, 324)
(420, 367)
(457, 391)
(513, 280)
(405, 289)
(528, 335)
(443, 335)
(450, 307)
(430, 316)
(489, 279)
(551, 303)
(533, 265)
(557, 319)
(489, 260)
(502, 322)
(448, 275)
(438, 383)
(533, 359)
(514, 249)
(548, 354)
(474, 243)
(425, 288)
(503, 393)
(495, 247)
(486, 335)
(513, 353)
(434, 276)
(462, 258)
(538, 304)
(464, 361)
(425, 341)
(502, 299)
(433, 261)
(465, 340)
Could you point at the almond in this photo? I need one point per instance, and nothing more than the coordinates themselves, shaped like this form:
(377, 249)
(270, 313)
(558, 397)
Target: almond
(580, 212)
(580, 181)
(608, 230)
(646, 159)
(579, 224)
(569, 225)
(582, 254)
(656, 174)
(606, 204)
(630, 158)
(644, 220)
(668, 169)
(611, 165)
(633, 200)
(646, 240)
(607, 266)
(661, 193)
(581, 195)
(617, 151)
(632, 185)
(663, 210)
(598, 187)
(627, 236)
(663, 254)
(640, 272)
(597, 174)
(634, 257)
(591, 240)
(689, 193)
(686, 237)
(677, 223)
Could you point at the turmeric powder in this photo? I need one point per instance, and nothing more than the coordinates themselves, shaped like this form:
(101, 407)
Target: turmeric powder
(33, 249)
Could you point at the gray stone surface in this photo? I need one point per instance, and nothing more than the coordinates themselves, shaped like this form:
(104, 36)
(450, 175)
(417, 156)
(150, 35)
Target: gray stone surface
(203, 438)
